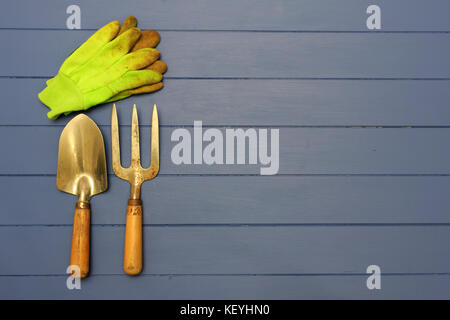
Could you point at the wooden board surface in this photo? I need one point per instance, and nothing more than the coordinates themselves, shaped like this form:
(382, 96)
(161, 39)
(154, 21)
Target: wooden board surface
(389, 151)
(364, 160)
(265, 55)
(249, 200)
(258, 102)
(236, 15)
(236, 249)
(228, 287)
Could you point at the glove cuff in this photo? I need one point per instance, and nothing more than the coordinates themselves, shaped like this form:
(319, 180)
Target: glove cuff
(61, 95)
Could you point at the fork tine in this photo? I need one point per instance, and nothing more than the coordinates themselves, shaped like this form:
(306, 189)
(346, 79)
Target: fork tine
(135, 153)
(115, 146)
(154, 165)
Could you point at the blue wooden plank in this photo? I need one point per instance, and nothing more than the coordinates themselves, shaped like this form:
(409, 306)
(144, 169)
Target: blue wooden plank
(258, 102)
(304, 15)
(249, 54)
(235, 250)
(227, 287)
(238, 200)
(33, 150)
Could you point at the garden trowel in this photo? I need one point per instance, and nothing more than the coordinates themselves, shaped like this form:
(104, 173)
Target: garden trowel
(81, 172)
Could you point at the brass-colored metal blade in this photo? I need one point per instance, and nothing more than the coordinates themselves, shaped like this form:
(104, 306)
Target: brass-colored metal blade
(154, 165)
(115, 145)
(81, 159)
(135, 174)
(135, 153)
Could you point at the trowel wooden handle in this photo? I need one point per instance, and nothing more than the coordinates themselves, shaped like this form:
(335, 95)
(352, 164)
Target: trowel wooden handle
(132, 259)
(79, 255)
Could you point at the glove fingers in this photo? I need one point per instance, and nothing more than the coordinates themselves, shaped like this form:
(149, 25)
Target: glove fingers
(158, 66)
(108, 55)
(144, 89)
(89, 48)
(124, 42)
(148, 88)
(128, 23)
(135, 79)
(148, 39)
(132, 61)
(139, 59)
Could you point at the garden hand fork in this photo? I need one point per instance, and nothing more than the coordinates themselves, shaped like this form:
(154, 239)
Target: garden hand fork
(135, 175)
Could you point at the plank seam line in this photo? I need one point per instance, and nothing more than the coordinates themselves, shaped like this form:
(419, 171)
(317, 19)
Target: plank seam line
(229, 126)
(256, 175)
(238, 225)
(311, 78)
(242, 30)
(242, 274)
(269, 78)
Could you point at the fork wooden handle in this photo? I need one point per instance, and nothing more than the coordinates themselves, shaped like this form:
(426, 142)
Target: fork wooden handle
(132, 259)
(79, 255)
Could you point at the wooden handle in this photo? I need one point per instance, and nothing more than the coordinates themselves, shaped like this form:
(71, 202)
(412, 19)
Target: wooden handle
(132, 259)
(79, 255)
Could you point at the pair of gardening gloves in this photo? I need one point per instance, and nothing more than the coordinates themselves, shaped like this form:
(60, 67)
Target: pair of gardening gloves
(114, 63)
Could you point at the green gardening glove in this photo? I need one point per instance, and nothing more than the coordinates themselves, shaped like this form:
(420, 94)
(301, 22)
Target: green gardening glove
(99, 69)
(148, 39)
